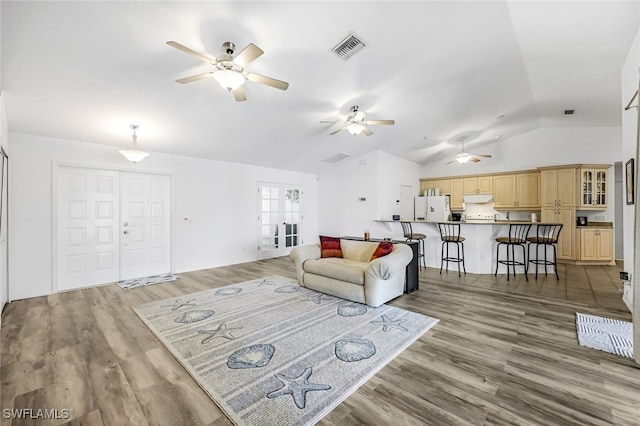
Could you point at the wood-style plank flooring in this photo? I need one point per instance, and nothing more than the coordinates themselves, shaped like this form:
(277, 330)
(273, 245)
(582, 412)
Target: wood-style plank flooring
(503, 353)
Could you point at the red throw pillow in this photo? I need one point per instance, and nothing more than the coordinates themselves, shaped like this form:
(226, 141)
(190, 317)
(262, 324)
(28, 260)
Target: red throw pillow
(330, 246)
(384, 248)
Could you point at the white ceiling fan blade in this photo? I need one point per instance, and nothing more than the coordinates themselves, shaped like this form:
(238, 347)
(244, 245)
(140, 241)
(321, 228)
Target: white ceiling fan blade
(185, 49)
(376, 122)
(257, 78)
(194, 78)
(337, 131)
(366, 132)
(248, 55)
(239, 94)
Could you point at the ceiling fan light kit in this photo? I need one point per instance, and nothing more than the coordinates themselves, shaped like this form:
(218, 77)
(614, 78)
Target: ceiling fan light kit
(356, 124)
(134, 154)
(230, 72)
(464, 157)
(229, 80)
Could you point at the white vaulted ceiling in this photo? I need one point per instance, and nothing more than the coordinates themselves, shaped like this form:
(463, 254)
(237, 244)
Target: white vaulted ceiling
(86, 70)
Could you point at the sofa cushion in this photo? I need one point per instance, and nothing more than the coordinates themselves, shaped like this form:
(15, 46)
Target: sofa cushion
(336, 268)
(330, 246)
(360, 251)
(383, 249)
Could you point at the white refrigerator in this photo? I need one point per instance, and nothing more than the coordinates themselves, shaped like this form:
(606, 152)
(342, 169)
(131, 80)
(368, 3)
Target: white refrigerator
(420, 208)
(438, 208)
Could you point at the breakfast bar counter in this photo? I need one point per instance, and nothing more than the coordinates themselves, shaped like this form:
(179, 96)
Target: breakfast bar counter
(479, 243)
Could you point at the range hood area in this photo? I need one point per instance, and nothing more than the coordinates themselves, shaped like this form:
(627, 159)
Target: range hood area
(478, 199)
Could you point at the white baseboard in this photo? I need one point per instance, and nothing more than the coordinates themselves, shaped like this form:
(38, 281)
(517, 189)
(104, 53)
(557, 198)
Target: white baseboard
(628, 302)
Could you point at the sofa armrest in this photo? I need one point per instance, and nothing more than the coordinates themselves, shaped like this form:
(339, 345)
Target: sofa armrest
(389, 266)
(301, 254)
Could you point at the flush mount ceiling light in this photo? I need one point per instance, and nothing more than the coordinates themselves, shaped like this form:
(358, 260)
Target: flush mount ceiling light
(134, 154)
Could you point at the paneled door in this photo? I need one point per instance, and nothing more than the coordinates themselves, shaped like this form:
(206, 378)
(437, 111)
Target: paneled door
(279, 219)
(145, 237)
(111, 226)
(88, 218)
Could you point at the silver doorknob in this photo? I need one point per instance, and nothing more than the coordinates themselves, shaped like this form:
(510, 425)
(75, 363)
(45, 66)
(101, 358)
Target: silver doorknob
(126, 231)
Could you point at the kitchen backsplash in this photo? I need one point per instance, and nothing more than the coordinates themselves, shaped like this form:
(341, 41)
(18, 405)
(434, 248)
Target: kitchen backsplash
(487, 209)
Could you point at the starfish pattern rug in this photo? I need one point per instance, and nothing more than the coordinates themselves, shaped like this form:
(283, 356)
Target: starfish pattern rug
(269, 352)
(145, 281)
(605, 334)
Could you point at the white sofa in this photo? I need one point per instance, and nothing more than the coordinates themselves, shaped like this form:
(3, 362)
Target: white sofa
(354, 277)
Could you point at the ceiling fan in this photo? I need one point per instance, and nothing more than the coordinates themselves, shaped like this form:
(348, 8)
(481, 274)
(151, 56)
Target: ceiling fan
(464, 157)
(230, 72)
(355, 123)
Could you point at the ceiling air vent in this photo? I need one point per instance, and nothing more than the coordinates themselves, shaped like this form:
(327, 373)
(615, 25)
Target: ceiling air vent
(335, 158)
(348, 47)
(569, 111)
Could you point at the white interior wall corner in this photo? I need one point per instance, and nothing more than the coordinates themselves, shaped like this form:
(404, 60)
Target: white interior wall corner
(629, 84)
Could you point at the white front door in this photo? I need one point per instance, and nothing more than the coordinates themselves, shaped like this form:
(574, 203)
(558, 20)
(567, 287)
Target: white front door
(111, 226)
(88, 216)
(145, 225)
(279, 219)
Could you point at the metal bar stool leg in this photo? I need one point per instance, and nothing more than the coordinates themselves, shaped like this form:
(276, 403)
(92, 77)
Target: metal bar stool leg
(526, 264)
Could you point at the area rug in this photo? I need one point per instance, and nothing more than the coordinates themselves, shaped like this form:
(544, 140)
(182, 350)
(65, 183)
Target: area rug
(605, 334)
(269, 352)
(145, 281)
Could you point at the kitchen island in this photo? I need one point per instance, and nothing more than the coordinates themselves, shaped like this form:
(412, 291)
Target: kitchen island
(479, 244)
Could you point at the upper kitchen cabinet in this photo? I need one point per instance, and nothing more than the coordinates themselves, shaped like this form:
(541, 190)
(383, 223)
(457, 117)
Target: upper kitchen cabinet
(443, 186)
(478, 185)
(558, 187)
(593, 188)
(456, 195)
(516, 191)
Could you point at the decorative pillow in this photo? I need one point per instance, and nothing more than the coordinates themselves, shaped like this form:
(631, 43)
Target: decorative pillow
(330, 246)
(384, 248)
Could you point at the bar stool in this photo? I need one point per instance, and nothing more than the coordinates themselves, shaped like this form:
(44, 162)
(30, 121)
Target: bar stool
(547, 234)
(450, 234)
(518, 233)
(413, 236)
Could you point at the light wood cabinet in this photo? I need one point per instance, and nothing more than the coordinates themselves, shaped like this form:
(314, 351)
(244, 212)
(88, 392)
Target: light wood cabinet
(593, 188)
(516, 191)
(478, 185)
(596, 244)
(443, 186)
(558, 188)
(456, 196)
(566, 241)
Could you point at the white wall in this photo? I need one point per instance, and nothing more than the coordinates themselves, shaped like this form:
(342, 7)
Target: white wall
(4, 142)
(376, 176)
(630, 77)
(219, 197)
(548, 146)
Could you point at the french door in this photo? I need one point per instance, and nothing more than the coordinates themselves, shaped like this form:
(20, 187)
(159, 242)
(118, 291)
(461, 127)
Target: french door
(111, 226)
(279, 219)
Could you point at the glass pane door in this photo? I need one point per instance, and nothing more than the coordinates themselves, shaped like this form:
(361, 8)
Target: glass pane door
(291, 216)
(601, 187)
(587, 187)
(279, 219)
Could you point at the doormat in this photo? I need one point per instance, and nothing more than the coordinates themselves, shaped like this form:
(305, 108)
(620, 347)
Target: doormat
(269, 352)
(145, 281)
(605, 334)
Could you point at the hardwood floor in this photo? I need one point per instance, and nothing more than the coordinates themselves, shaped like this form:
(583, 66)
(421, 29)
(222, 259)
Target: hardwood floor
(503, 353)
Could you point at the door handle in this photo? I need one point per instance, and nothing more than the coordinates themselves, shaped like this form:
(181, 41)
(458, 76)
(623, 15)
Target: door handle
(126, 231)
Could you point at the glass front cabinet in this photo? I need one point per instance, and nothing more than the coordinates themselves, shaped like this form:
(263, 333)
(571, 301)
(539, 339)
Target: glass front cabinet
(593, 188)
